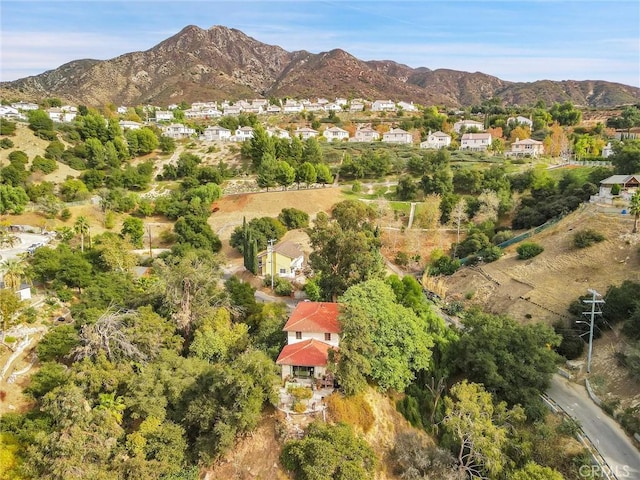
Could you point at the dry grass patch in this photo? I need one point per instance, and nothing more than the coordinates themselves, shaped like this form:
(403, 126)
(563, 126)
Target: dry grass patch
(355, 410)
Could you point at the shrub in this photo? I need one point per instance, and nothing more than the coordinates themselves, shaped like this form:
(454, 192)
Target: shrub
(444, 266)
(491, 253)
(45, 165)
(615, 189)
(586, 238)
(293, 218)
(356, 187)
(352, 410)
(502, 236)
(529, 250)
(6, 143)
(312, 290)
(401, 259)
(65, 214)
(7, 128)
(283, 287)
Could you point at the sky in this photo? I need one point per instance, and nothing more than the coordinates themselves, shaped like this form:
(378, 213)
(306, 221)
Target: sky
(515, 40)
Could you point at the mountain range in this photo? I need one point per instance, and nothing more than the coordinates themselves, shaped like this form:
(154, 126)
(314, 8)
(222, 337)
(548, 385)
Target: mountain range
(222, 63)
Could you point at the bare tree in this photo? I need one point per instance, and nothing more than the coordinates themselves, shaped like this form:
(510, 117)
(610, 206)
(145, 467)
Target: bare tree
(108, 334)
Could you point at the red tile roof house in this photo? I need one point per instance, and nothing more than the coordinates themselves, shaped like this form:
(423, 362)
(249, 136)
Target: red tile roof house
(312, 330)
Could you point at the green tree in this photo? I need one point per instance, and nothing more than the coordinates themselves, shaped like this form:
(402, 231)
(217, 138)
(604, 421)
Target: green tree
(195, 231)
(259, 145)
(323, 174)
(267, 172)
(73, 190)
(133, 228)
(381, 340)
(82, 228)
(533, 471)
(293, 218)
(329, 452)
(39, 120)
(345, 251)
(312, 152)
(285, 174)
(514, 361)
(306, 173)
(14, 270)
(57, 343)
(480, 429)
(218, 339)
(634, 209)
(12, 199)
(9, 306)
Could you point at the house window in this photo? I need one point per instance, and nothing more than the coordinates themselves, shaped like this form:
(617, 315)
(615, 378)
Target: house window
(298, 335)
(283, 271)
(327, 337)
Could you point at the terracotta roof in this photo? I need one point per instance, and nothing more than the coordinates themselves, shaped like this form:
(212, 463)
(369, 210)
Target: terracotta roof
(320, 317)
(310, 353)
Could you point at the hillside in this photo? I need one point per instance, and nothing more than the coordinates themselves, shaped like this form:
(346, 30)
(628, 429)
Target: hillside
(541, 289)
(221, 63)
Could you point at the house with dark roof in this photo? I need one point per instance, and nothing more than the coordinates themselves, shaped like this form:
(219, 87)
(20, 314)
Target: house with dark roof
(312, 330)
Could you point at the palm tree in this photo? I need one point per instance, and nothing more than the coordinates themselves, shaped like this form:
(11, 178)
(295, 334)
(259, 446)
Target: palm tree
(8, 240)
(14, 270)
(81, 227)
(634, 209)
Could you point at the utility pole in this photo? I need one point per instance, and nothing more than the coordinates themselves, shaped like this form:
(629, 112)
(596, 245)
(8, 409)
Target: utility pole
(594, 300)
(149, 233)
(270, 252)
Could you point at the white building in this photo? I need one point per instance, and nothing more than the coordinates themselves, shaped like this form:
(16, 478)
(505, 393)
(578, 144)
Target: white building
(365, 134)
(436, 140)
(475, 141)
(383, 106)
(335, 133)
(397, 135)
(216, 133)
(467, 124)
(278, 132)
(129, 125)
(407, 106)
(243, 133)
(305, 132)
(177, 131)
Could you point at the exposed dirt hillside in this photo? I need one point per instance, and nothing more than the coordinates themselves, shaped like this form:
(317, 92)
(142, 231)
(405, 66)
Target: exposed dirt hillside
(541, 289)
(257, 455)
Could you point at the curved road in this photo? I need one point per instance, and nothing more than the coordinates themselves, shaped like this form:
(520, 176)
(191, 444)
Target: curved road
(608, 437)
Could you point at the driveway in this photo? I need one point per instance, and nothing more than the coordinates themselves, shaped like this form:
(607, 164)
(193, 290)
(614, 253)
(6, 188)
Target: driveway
(26, 239)
(611, 441)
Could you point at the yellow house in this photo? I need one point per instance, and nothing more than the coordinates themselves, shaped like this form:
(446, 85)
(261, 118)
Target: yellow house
(282, 260)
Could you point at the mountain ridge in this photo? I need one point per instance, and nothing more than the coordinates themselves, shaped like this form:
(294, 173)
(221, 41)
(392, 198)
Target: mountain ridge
(223, 63)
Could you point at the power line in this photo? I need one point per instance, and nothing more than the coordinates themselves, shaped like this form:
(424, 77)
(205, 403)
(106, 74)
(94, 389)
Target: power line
(593, 301)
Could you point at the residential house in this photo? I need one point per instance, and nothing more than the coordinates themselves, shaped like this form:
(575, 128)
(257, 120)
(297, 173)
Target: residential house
(260, 102)
(356, 107)
(177, 131)
(383, 106)
(62, 114)
(25, 106)
(282, 260)
(467, 124)
(313, 329)
(526, 147)
(436, 140)
(129, 125)
(397, 135)
(173, 106)
(9, 112)
(627, 184)
(607, 150)
(23, 292)
(216, 133)
(305, 132)
(333, 107)
(365, 134)
(475, 141)
(278, 133)
(274, 109)
(407, 106)
(232, 110)
(520, 120)
(164, 115)
(243, 133)
(340, 101)
(291, 106)
(335, 133)
(255, 109)
(122, 110)
(314, 107)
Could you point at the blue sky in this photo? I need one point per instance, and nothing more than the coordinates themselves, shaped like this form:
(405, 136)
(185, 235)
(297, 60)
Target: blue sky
(516, 40)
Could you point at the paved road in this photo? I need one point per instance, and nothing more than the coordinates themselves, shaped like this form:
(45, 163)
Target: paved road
(608, 437)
